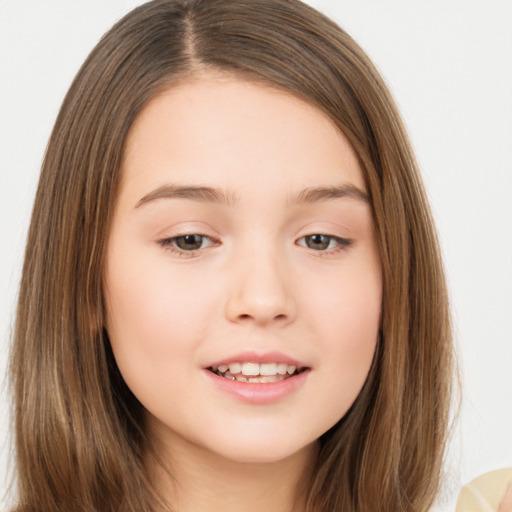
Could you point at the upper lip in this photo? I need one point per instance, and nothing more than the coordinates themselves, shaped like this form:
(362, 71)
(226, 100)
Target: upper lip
(260, 358)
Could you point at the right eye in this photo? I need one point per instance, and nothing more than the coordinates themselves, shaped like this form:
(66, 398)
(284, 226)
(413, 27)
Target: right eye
(186, 244)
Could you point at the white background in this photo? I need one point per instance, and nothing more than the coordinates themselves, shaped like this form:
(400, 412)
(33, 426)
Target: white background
(448, 64)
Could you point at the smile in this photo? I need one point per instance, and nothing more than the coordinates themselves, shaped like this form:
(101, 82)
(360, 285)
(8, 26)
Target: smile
(251, 372)
(256, 377)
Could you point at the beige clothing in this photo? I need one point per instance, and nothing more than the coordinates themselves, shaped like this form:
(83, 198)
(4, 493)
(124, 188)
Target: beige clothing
(490, 492)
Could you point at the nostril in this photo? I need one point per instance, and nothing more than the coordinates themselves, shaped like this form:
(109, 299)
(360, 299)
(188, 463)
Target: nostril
(245, 316)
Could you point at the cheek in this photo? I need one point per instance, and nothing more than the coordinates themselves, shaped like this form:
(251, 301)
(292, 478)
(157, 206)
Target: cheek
(347, 303)
(154, 333)
(347, 318)
(155, 320)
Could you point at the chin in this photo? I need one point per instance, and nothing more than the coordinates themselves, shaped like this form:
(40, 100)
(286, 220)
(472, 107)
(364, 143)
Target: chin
(260, 450)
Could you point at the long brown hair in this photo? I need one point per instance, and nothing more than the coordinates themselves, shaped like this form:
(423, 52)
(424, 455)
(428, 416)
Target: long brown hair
(80, 433)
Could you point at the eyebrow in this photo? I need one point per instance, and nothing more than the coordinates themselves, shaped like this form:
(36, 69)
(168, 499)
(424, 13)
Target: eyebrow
(318, 194)
(217, 195)
(193, 192)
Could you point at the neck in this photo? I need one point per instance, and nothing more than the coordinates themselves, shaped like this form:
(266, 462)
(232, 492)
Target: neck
(199, 480)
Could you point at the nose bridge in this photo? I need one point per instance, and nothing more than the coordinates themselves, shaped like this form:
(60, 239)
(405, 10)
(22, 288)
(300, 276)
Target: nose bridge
(260, 288)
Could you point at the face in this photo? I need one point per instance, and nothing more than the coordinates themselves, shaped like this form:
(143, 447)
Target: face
(243, 282)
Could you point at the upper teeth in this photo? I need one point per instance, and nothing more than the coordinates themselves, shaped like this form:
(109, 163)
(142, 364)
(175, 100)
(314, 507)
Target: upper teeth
(257, 369)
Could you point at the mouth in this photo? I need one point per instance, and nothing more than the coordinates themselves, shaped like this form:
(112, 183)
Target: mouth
(256, 373)
(258, 378)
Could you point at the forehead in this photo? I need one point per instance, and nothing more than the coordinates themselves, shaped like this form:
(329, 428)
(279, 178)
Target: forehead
(236, 134)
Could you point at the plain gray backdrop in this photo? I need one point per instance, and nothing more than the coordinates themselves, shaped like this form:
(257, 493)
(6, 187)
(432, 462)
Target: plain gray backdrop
(448, 64)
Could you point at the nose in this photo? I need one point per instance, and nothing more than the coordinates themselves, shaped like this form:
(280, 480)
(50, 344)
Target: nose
(259, 291)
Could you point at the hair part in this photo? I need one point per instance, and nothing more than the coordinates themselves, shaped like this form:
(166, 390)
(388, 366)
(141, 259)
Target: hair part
(80, 433)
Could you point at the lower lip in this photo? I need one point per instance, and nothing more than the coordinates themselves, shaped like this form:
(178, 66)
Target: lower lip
(255, 392)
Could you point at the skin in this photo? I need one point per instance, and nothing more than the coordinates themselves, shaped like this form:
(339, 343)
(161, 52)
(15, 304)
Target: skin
(255, 284)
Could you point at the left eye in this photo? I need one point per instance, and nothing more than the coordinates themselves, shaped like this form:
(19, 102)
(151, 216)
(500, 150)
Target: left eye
(192, 242)
(320, 242)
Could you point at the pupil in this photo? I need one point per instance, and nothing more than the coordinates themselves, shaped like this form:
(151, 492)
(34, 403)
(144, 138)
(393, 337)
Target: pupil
(189, 242)
(318, 242)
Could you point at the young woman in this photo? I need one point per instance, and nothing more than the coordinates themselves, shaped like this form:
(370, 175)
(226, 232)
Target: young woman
(232, 294)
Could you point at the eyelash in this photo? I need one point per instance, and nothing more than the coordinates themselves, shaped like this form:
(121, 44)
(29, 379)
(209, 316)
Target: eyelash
(169, 244)
(341, 243)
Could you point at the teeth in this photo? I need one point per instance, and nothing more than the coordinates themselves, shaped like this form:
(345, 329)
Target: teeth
(254, 380)
(282, 368)
(271, 378)
(268, 369)
(235, 367)
(251, 369)
(265, 372)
